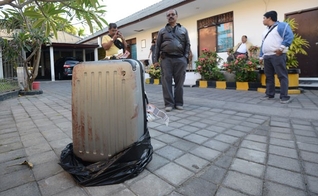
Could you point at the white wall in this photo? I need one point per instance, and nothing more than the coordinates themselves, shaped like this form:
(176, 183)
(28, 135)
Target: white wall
(248, 20)
(142, 53)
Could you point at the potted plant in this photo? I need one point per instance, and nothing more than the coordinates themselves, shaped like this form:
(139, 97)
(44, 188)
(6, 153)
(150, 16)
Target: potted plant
(244, 69)
(155, 74)
(207, 67)
(297, 47)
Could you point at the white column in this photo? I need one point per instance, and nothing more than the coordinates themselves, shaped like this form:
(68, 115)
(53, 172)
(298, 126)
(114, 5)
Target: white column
(84, 55)
(42, 64)
(96, 54)
(99, 41)
(52, 63)
(1, 65)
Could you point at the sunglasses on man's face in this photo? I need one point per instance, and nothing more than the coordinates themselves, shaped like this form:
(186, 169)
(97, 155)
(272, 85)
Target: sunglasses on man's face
(172, 14)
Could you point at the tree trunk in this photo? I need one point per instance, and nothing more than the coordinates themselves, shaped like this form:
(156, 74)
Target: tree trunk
(31, 75)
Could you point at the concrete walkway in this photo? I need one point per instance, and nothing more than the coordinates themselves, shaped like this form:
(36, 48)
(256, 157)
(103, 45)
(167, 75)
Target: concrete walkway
(224, 143)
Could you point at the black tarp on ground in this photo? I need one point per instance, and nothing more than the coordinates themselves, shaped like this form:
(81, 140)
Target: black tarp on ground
(121, 167)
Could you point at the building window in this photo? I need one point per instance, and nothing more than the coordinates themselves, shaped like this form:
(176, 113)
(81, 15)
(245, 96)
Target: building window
(216, 32)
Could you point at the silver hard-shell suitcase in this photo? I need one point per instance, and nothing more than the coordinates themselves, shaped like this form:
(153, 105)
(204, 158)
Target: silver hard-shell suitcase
(108, 107)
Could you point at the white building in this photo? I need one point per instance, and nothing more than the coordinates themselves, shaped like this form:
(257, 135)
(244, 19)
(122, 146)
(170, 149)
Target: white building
(208, 21)
(213, 24)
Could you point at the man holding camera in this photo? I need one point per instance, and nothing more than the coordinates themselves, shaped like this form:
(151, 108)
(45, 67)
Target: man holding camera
(113, 42)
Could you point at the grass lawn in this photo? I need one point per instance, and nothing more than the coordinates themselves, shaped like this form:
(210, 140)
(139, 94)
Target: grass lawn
(8, 85)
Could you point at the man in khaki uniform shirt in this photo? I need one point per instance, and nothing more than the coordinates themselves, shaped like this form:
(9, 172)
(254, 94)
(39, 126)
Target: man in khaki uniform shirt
(242, 47)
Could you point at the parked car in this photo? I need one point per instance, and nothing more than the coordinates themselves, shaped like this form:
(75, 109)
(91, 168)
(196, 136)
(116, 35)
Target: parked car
(64, 67)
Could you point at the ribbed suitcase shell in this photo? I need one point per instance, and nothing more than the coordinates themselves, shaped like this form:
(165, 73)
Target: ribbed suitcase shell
(108, 107)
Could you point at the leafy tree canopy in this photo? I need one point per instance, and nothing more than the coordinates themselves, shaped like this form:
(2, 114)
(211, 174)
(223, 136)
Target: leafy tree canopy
(30, 24)
(53, 15)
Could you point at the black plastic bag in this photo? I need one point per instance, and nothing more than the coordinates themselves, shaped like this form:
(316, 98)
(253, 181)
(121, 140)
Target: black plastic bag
(121, 167)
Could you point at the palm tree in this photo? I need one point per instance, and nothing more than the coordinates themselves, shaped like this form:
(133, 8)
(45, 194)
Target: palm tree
(81, 32)
(32, 23)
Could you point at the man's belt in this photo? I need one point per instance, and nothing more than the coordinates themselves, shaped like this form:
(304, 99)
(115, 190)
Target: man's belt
(172, 55)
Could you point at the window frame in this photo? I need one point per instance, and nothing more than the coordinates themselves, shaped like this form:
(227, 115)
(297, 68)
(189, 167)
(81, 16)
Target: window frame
(216, 21)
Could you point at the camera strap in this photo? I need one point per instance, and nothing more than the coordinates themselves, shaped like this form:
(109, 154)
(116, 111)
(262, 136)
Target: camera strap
(269, 31)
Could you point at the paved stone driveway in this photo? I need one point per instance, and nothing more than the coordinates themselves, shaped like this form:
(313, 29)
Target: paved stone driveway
(224, 143)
